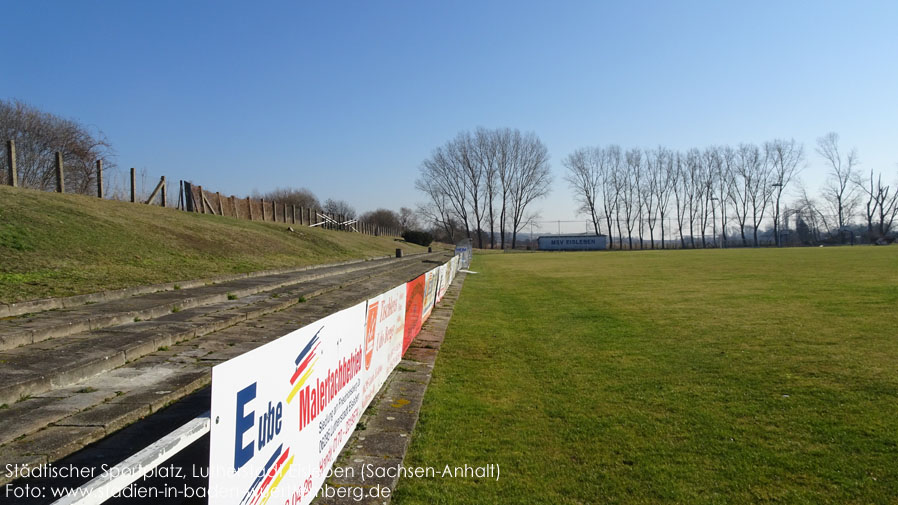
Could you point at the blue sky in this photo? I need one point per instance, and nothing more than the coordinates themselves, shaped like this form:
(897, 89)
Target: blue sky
(347, 98)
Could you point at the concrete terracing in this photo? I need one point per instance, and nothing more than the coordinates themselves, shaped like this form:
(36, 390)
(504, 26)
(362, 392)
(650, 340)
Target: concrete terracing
(76, 381)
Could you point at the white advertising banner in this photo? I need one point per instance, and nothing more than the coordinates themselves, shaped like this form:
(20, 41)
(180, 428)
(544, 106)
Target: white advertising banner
(281, 413)
(444, 281)
(430, 290)
(453, 268)
(384, 330)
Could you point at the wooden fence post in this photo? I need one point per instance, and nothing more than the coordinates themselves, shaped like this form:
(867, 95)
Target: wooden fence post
(202, 197)
(99, 178)
(249, 207)
(11, 160)
(160, 186)
(274, 211)
(293, 213)
(220, 207)
(164, 192)
(60, 174)
(234, 204)
(262, 200)
(133, 186)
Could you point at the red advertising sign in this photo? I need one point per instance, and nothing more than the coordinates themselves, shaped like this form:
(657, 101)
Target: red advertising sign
(414, 310)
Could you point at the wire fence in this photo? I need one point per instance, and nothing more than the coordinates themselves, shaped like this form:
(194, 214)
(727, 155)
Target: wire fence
(669, 234)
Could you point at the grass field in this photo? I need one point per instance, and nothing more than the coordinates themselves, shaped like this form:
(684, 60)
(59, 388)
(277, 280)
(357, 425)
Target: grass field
(715, 376)
(58, 245)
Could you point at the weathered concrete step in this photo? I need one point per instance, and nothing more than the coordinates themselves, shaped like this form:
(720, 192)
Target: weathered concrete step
(55, 324)
(49, 427)
(21, 331)
(60, 421)
(36, 368)
(44, 304)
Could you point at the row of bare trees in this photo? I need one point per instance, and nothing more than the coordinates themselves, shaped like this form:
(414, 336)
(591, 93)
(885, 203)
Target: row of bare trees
(729, 191)
(484, 183)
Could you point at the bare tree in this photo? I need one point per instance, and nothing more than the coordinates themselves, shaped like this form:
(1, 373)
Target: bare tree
(339, 208)
(383, 218)
(436, 211)
(508, 144)
(301, 197)
(888, 208)
(465, 152)
(484, 153)
(810, 213)
(760, 189)
(725, 181)
(882, 203)
(785, 162)
(39, 135)
(639, 185)
(694, 189)
(407, 219)
(443, 180)
(585, 177)
(747, 158)
(653, 180)
(664, 174)
(630, 191)
(710, 163)
(839, 193)
(680, 182)
(530, 180)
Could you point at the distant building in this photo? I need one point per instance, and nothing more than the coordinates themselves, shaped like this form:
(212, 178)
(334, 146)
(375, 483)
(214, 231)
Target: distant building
(573, 242)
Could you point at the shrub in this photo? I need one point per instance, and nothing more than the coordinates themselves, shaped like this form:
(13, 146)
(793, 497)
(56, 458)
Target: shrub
(418, 237)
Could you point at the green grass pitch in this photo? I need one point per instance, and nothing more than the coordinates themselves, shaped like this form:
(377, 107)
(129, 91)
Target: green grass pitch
(712, 376)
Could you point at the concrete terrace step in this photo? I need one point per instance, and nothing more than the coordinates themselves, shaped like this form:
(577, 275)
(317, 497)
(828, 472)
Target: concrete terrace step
(61, 420)
(45, 304)
(38, 367)
(34, 328)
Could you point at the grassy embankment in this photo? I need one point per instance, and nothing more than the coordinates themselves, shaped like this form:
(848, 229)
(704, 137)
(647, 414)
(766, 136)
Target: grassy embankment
(59, 245)
(716, 376)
